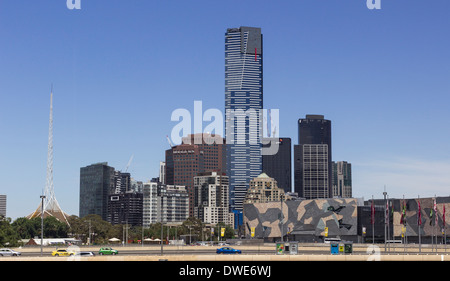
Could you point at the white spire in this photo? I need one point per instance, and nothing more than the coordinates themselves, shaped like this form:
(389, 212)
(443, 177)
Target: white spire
(51, 206)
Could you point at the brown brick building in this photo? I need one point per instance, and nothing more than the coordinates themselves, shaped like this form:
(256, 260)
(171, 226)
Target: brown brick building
(197, 154)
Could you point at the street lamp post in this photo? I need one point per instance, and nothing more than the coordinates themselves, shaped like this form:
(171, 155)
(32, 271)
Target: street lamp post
(162, 251)
(42, 222)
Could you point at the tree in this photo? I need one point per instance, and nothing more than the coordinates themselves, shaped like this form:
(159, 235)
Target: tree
(25, 228)
(193, 226)
(8, 236)
(99, 229)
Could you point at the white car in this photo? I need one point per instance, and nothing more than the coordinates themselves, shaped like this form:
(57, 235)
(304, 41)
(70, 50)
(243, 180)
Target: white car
(8, 252)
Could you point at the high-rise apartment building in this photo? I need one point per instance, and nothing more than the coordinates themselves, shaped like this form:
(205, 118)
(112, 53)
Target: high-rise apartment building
(96, 184)
(212, 198)
(150, 203)
(312, 158)
(243, 109)
(342, 179)
(173, 203)
(169, 203)
(278, 166)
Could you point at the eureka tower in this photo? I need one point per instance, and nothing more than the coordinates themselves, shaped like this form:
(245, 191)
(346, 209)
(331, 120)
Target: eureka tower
(243, 109)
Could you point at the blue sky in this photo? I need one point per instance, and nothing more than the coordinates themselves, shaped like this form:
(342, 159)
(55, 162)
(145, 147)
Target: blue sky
(120, 68)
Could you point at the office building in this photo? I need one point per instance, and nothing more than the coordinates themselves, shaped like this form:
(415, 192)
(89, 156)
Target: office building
(342, 179)
(243, 109)
(212, 198)
(278, 166)
(183, 163)
(213, 148)
(194, 156)
(312, 158)
(96, 184)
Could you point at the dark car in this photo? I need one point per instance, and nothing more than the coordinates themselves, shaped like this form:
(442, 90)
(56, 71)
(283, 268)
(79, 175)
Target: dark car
(228, 250)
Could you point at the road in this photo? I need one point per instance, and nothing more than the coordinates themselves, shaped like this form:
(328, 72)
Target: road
(266, 249)
(154, 250)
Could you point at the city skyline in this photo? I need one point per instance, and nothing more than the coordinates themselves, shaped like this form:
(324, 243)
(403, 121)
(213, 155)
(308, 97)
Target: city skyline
(381, 76)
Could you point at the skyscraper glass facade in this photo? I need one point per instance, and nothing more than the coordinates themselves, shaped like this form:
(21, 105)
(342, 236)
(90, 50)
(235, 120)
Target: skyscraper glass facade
(96, 183)
(243, 109)
(312, 158)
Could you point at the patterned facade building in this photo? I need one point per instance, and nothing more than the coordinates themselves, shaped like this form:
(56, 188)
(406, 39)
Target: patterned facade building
(350, 219)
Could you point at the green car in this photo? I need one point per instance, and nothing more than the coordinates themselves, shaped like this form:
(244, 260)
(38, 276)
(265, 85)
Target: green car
(107, 251)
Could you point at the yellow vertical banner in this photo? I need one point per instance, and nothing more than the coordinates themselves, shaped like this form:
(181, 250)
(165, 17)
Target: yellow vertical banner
(222, 231)
(252, 231)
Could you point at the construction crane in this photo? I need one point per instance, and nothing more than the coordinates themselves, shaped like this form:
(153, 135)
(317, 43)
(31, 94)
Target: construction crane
(129, 163)
(169, 141)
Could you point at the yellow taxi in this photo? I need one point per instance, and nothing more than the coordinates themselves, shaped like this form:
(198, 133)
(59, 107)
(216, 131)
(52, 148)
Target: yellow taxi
(62, 253)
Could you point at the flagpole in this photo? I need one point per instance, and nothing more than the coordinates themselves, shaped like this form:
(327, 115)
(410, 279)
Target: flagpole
(419, 220)
(443, 225)
(389, 221)
(436, 224)
(432, 230)
(404, 224)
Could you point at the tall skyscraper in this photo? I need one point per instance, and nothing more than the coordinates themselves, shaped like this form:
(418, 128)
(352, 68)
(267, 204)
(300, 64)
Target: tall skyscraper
(278, 166)
(342, 179)
(312, 158)
(96, 184)
(243, 109)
